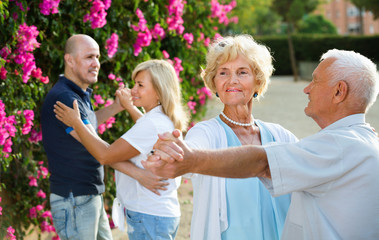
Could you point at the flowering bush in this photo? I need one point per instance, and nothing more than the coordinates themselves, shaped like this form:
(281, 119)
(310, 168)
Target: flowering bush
(32, 39)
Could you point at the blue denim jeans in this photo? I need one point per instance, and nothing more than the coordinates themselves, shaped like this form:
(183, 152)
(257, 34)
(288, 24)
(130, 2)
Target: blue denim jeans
(81, 217)
(149, 227)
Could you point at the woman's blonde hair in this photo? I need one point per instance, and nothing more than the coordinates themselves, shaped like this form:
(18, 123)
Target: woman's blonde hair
(228, 49)
(166, 84)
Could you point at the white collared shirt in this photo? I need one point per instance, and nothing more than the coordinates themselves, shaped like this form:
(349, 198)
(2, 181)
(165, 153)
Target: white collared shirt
(334, 179)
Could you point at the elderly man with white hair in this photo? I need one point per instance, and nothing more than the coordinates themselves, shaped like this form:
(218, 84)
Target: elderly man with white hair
(333, 175)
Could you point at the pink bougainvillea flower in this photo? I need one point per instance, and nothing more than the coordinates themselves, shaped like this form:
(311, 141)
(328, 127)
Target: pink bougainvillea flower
(33, 181)
(33, 212)
(158, 32)
(3, 73)
(48, 7)
(111, 76)
(97, 14)
(165, 54)
(188, 37)
(112, 45)
(39, 207)
(10, 233)
(99, 99)
(35, 136)
(41, 194)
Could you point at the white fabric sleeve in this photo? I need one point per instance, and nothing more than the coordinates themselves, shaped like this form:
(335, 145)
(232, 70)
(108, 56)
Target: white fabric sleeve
(308, 165)
(142, 136)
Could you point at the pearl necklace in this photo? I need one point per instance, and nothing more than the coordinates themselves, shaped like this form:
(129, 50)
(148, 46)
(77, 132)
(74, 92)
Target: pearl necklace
(237, 123)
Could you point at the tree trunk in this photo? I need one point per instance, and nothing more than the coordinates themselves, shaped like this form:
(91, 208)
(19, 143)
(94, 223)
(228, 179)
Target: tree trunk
(361, 27)
(292, 52)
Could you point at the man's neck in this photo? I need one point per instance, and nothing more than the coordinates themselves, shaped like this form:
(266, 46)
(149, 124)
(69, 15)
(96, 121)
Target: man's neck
(75, 80)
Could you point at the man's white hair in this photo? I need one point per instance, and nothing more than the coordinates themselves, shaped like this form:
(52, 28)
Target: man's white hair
(359, 72)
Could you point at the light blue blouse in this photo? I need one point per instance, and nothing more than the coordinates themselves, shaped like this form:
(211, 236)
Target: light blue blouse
(252, 212)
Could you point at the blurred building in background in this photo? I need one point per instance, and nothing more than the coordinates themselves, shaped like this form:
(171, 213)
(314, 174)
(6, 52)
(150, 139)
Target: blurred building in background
(348, 19)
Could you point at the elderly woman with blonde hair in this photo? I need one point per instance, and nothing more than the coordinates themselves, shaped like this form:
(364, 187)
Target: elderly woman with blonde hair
(237, 71)
(150, 203)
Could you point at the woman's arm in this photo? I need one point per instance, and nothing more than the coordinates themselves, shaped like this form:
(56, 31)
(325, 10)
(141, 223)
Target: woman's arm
(120, 150)
(143, 176)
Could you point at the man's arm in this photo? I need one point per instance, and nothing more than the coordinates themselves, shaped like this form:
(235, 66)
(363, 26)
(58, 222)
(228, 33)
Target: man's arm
(172, 157)
(125, 98)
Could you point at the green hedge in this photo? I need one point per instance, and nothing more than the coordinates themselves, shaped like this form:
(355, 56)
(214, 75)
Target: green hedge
(311, 47)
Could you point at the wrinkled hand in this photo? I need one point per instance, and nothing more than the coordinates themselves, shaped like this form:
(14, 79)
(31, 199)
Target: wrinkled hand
(169, 158)
(66, 114)
(124, 97)
(152, 181)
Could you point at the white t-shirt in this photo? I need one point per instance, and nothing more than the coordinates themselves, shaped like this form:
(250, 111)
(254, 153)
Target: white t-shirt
(334, 179)
(130, 193)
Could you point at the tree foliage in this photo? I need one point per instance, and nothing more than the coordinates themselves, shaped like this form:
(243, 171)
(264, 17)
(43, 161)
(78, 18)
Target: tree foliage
(316, 24)
(32, 38)
(368, 5)
(292, 11)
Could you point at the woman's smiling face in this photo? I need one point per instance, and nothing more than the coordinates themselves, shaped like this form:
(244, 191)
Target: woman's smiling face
(235, 82)
(143, 92)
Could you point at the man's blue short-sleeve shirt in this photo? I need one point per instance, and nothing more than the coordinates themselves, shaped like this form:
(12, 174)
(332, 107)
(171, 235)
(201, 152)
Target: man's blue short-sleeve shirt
(72, 167)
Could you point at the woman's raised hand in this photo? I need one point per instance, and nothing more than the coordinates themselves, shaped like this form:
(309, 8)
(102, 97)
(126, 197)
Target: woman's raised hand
(66, 114)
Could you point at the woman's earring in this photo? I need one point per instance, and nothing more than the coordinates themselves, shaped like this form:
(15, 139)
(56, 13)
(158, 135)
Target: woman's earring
(217, 94)
(255, 95)
(159, 103)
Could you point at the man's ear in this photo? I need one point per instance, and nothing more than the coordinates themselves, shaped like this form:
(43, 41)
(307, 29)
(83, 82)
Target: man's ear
(68, 59)
(341, 90)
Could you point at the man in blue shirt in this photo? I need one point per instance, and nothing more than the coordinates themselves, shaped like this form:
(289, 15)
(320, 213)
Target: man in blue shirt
(76, 181)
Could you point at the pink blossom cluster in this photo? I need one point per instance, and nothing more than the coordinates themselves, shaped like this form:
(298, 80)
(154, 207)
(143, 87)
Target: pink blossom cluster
(189, 38)
(1, 209)
(165, 54)
(26, 43)
(109, 123)
(175, 12)
(98, 100)
(3, 73)
(203, 93)
(158, 32)
(112, 45)
(38, 211)
(220, 11)
(111, 76)
(206, 40)
(10, 233)
(48, 7)
(4, 52)
(191, 105)
(41, 172)
(177, 64)
(29, 117)
(98, 13)
(35, 136)
(7, 130)
(145, 35)
(37, 73)
(178, 67)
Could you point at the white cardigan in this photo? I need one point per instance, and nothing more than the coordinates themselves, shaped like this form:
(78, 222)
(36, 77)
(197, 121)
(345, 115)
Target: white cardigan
(209, 218)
